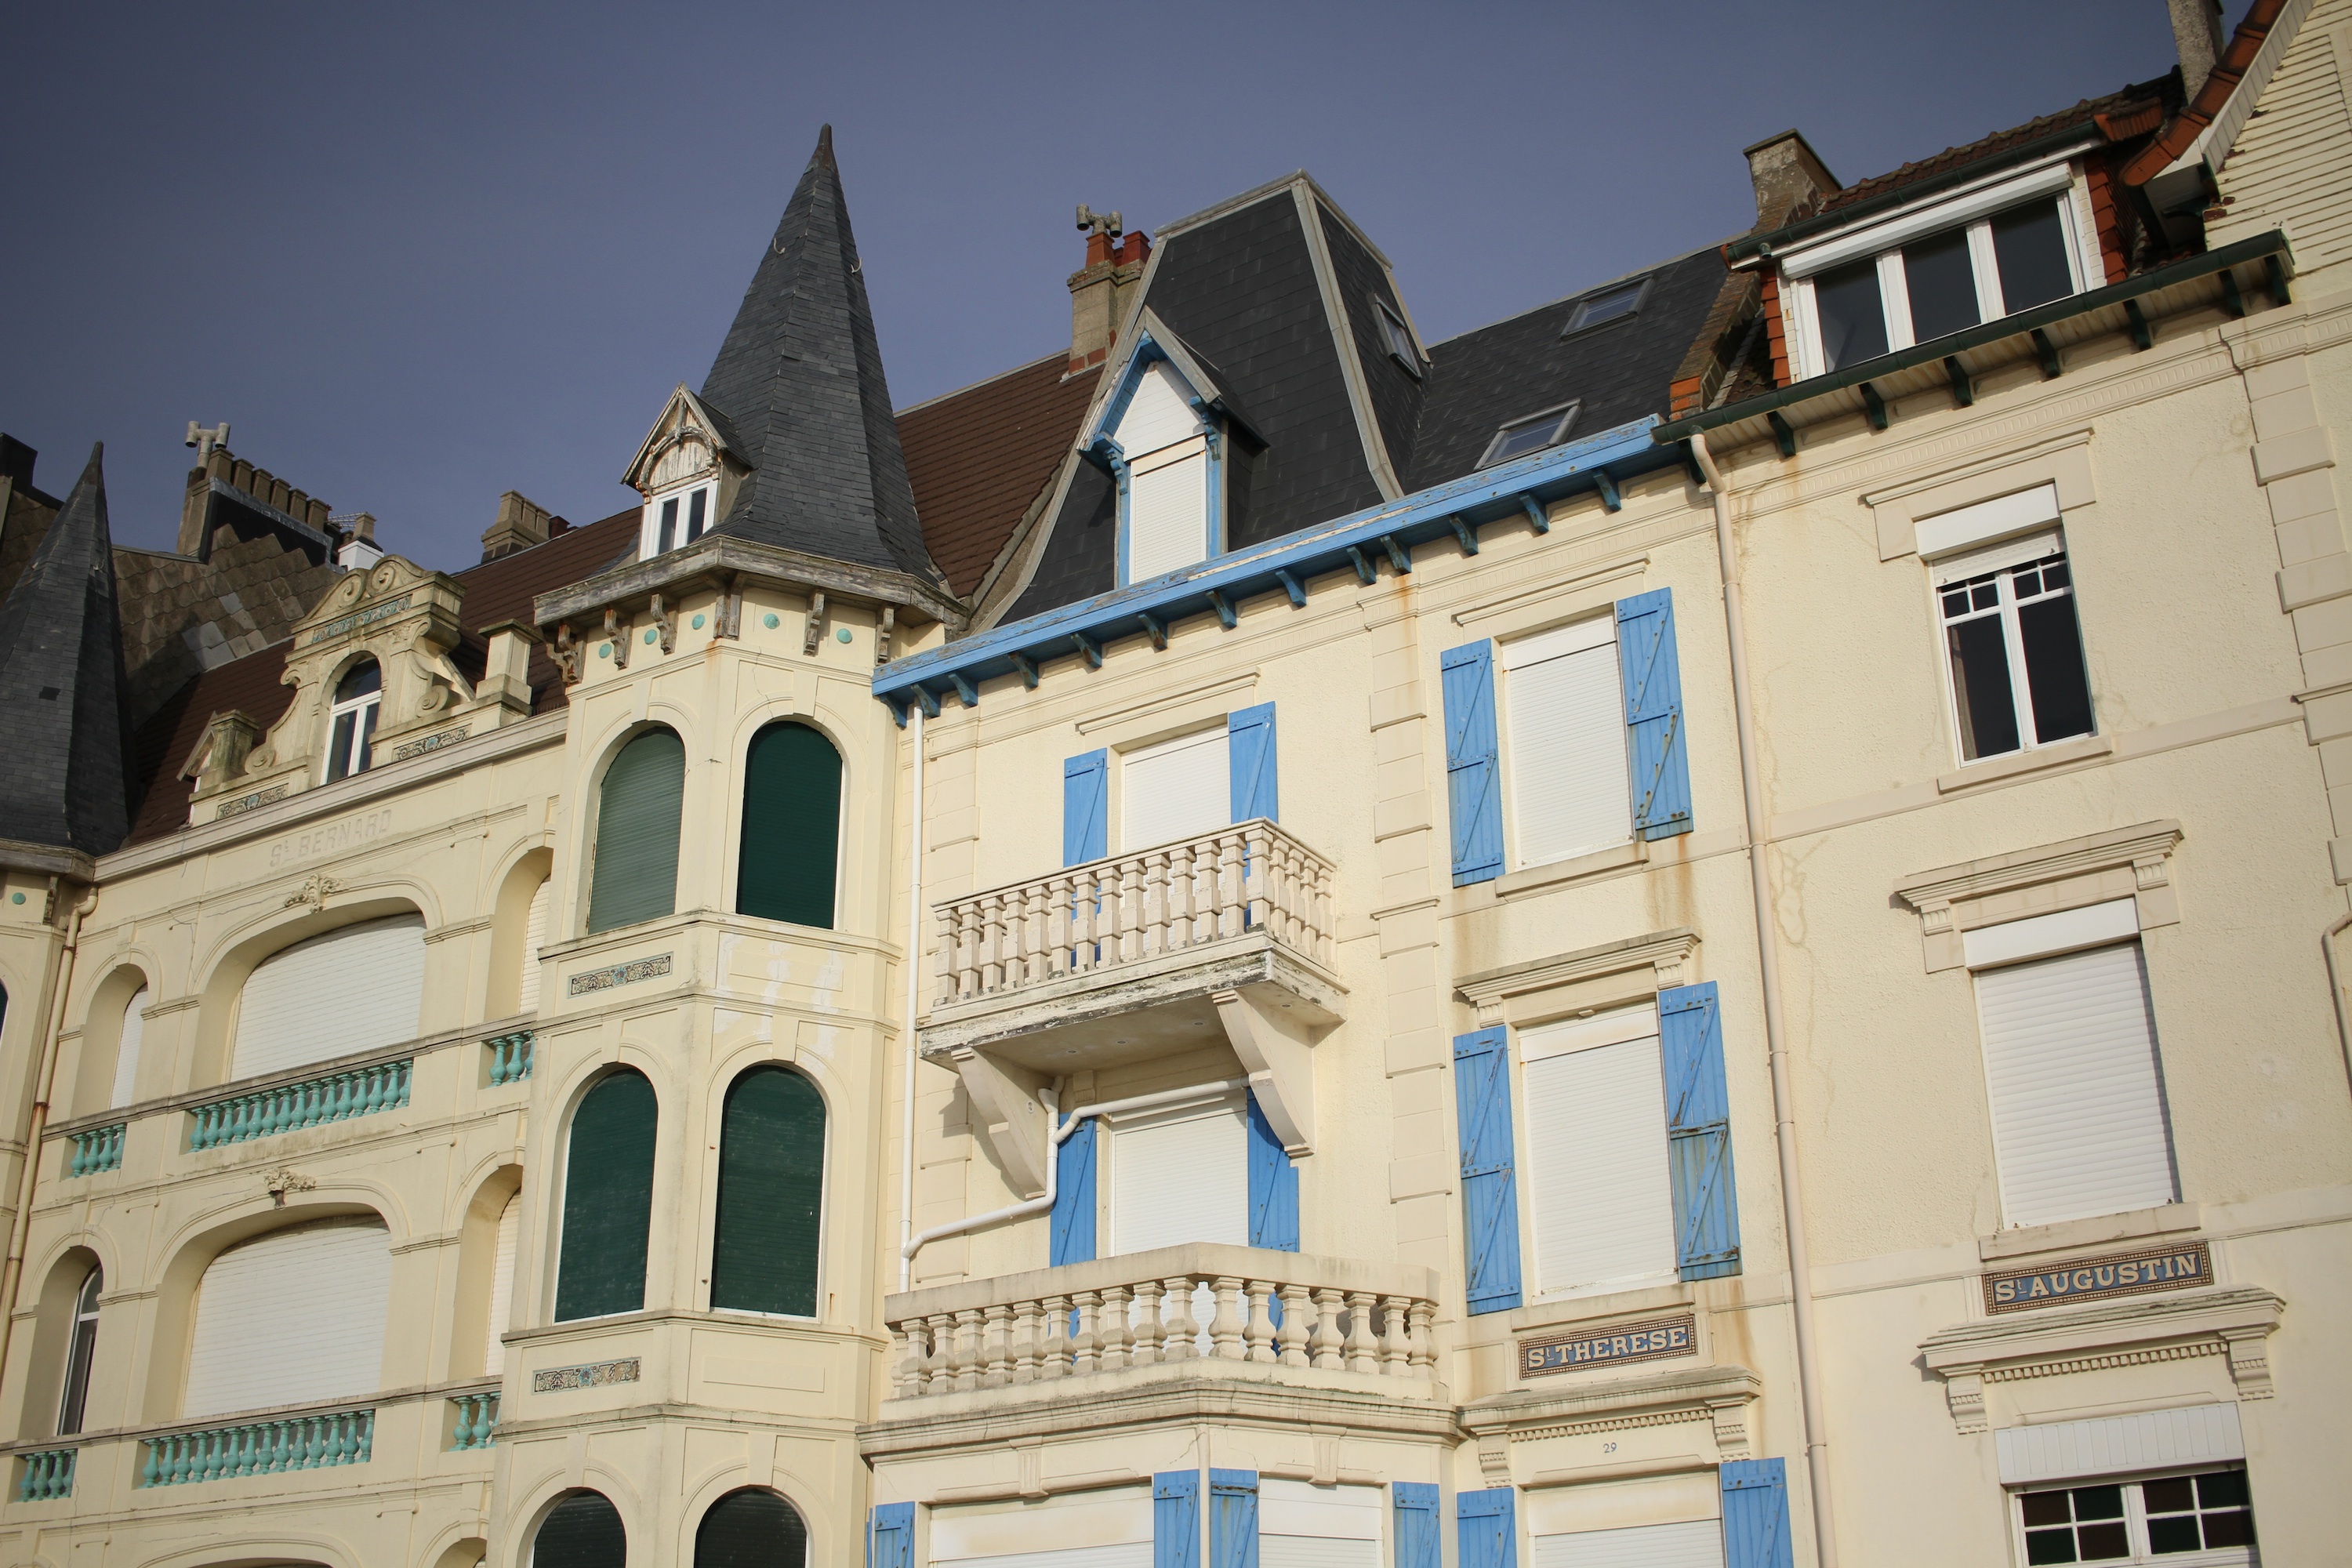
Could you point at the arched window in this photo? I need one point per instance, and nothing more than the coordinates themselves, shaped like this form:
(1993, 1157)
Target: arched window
(359, 698)
(583, 1531)
(771, 1195)
(78, 1352)
(502, 1267)
(126, 1052)
(750, 1529)
(291, 1317)
(636, 868)
(349, 990)
(608, 1199)
(791, 826)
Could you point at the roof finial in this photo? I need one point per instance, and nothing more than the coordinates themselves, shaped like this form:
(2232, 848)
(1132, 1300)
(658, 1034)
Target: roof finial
(823, 147)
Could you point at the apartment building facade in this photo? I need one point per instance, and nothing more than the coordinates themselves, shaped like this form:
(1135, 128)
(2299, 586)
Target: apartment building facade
(1697, 927)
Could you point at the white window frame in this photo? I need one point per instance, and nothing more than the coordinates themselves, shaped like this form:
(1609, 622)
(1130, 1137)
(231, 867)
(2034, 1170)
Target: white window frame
(1509, 657)
(1564, 421)
(1948, 571)
(649, 524)
(360, 757)
(1974, 208)
(81, 1356)
(2135, 1516)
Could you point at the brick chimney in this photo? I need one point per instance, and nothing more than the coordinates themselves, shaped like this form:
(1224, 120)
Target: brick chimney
(1100, 289)
(2197, 34)
(522, 522)
(1788, 175)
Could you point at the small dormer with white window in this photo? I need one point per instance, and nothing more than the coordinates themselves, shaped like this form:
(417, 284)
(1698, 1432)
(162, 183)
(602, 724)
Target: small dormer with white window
(1177, 452)
(689, 470)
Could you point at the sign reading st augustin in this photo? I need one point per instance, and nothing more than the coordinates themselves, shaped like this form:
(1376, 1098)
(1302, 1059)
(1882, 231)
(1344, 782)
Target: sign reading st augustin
(1647, 1340)
(2099, 1278)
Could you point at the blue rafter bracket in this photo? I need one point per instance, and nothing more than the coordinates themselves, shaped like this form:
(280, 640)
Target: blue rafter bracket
(1610, 500)
(1366, 573)
(1153, 627)
(967, 689)
(1288, 565)
(1463, 534)
(928, 700)
(1538, 516)
(1224, 608)
(1399, 556)
(899, 704)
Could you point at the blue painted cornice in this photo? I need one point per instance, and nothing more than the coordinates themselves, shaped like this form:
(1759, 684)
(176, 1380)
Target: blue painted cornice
(1354, 544)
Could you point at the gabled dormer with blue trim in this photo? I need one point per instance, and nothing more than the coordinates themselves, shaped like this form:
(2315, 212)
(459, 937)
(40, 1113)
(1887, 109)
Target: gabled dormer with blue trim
(1171, 439)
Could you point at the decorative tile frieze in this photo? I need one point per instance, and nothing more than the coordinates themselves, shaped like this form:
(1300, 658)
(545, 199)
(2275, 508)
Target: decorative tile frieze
(245, 802)
(629, 973)
(425, 743)
(595, 1374)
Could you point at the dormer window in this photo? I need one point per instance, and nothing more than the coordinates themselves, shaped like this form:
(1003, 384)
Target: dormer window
(1165, 464)
(1531, 434)
(1929, 273)
(1397, 338)
(359, 697)
(678, 518)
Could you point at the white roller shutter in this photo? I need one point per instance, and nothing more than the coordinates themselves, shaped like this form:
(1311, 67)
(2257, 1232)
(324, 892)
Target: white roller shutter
(1101, 1530)
(534, 937)
(126, 1055)
(357, 989)
(1596, 1153)
(2077, 1110)
(1181, 1178)
(1566, 715)
(291, 1317)
(502, 1267)
(1177, 790)
(1304, 1526)
(1697, 1543)
(1168, 511)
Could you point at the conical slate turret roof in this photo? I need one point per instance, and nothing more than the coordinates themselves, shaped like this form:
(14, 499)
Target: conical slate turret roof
(799, 381)
(65, 748)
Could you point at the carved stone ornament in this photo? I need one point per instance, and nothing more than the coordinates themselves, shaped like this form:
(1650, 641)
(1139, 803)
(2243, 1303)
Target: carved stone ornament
(280, 1181)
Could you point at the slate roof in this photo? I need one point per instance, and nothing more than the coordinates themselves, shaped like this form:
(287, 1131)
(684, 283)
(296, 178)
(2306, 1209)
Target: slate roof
(978, 459)
(496, 591)
(66, 783)
(799, 380)
(2123, 105)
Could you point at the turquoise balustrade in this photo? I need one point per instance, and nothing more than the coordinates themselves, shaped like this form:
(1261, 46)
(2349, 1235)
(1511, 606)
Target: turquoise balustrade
(260, 1448)
(478, 1421)
(49, 1475)
(96, 1149)
(339, 1096)
(510, 1056)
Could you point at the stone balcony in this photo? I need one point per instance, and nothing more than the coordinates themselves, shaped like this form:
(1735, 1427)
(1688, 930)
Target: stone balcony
(1120, 1326)
(1133, 956)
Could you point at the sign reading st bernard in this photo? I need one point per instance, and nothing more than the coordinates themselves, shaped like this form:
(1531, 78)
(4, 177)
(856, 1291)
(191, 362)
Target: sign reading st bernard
(1646, 1341)
(2098, 1278)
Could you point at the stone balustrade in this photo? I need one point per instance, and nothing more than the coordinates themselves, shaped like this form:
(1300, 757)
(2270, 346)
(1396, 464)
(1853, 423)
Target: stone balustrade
(511, 1056)
(1222, 1309)
(1250, 877)
(336, 1097)
(46, 1476)
(477, 1422)
(259, 1448)
(96, 1149)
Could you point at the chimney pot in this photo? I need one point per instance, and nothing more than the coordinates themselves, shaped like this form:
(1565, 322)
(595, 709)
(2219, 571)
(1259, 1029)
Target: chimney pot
(1100, 290)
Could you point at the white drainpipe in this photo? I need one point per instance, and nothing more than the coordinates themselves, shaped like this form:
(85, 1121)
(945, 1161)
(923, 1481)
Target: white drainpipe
(914, 989)
(1061, 1132)
(1759, 879)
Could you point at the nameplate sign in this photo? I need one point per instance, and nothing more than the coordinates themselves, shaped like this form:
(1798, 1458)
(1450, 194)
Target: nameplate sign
(2100, 1278)
(595, 1374)
(628, 973)
(357, 619)
(1652, 1340)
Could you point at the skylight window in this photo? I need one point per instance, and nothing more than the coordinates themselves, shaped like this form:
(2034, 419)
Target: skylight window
(1399, 339)
(1610, 304)
(1532, 434)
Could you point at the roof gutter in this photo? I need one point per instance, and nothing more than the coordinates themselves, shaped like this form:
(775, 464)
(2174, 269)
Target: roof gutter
(1357, 542)
(2270, 247)
(2237, 60)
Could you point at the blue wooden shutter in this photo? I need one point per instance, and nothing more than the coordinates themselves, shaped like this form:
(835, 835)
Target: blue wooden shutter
(1756, 1514)
(1176, 1519)
(1073, 1198)
(891, 1541)
(1490, 1191)
(1487, 1527)
(1232, 1519)
(1086, 808)
(1249, 750)
(1273, 1188)
(1653, 714)
(1698, 1132)
(1413, 1507)
(1473, 773)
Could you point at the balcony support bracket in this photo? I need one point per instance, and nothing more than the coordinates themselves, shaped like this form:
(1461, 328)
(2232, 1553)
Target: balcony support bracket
(1276, 1045)
(1004, 1103)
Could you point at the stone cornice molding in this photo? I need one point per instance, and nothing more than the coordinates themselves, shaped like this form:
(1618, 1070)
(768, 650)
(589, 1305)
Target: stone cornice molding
(1667, 953)
(47, 860)
(716, 559)
(1718, 1396)
(2126, 862)
(2235, 1321)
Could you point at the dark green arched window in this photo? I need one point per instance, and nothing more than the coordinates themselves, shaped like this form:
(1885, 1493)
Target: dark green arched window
(771, 1194)
(636, 868)
(608, 1199)
(750, 1529)
(791, 826)
(583, 1531)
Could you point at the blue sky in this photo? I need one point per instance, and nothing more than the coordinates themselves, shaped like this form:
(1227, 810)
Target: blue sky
(421, 255)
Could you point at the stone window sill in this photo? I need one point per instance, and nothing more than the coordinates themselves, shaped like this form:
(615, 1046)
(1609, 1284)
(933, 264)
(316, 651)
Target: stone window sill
(1618, 857)
(2068, 1234)
(1996, 769)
